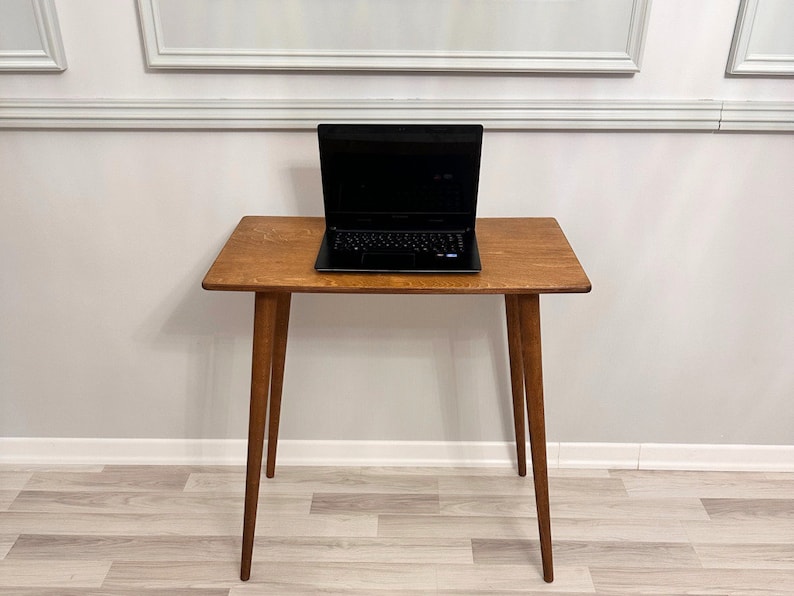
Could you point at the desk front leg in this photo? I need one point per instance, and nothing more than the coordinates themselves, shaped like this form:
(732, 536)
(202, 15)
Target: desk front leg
(529, 315)
(277, 381)
(261, 363)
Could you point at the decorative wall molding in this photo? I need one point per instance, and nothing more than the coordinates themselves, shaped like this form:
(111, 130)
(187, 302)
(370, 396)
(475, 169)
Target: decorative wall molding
(632, 456)
(774, 54)
(50, 56)
(289, 40)
(757, 116)
(169, 114)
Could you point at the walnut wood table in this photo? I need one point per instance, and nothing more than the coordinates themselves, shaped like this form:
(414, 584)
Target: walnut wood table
(274, 257)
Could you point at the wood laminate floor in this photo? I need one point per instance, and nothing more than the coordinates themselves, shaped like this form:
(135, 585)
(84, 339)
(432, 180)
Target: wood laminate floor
(132, 530)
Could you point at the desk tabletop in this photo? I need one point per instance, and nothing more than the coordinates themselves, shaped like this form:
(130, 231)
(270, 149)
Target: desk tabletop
(277, 254)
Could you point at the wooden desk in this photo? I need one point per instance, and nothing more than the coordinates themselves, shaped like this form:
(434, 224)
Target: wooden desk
(274, 257)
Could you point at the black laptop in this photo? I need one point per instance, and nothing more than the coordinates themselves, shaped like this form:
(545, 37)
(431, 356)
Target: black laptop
(399, 198)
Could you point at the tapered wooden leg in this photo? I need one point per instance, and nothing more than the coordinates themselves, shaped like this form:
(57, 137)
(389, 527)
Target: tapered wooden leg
(277, 380)
(516, 379)
(529, 314)
(264, 324)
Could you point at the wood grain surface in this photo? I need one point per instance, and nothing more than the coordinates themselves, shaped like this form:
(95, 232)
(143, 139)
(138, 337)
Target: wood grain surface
(145, 531)
(519, 255)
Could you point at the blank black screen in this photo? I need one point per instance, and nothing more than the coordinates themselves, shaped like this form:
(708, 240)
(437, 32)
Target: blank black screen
(400, 170)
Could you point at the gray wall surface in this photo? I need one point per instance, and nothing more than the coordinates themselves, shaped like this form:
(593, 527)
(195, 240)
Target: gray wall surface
(105, 236)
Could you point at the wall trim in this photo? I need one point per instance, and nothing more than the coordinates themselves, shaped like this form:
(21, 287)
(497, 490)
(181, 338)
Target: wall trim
(27, 113)
(741, 61)
(757, 116)
(51, 56)
(632, 456)
(301, 55)
(239, 114)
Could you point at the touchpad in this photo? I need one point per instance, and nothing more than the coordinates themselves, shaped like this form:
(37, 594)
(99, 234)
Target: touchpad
(388, 260)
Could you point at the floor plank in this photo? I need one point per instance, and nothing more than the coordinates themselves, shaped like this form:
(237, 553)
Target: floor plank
(187, 524)
(714, 485)
(337, 483)
(33, 522)
(583, 553)
(582, 507)
(744, 532)
(30, 468)
(50, 574)
(746, 556)
(227, 548)
(750, 509)
(277, 576)
(133, 479)
(131, 548)
(416, 526)
(526, 528)
(515, 485)
(374, 503)
(744, 582)
(174, 469)
(512, 578)
(176, 502)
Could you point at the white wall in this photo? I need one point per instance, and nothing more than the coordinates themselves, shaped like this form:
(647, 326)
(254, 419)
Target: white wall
(105, 236)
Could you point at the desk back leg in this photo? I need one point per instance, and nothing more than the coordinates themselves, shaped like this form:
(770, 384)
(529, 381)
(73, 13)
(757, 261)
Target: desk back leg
(264, 325)
(277, 380)
(529, 313)
(516, 379)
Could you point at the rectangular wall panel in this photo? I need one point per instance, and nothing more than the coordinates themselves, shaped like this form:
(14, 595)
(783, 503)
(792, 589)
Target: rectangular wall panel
(30, 39)
(410, 35)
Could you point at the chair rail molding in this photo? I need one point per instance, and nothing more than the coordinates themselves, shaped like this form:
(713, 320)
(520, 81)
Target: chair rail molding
(200, 114)
(757, 116)
(491, 38)
(763, 43)
(242, 114)
(45, 53)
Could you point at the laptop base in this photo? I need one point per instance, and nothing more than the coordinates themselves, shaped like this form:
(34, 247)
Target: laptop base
(381, 261)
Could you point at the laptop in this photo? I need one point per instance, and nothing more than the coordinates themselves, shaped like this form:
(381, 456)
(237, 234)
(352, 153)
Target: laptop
(399, 198)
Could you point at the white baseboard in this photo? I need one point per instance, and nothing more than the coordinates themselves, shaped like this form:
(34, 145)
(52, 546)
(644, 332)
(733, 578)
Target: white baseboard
(735, 458)
(634, 456)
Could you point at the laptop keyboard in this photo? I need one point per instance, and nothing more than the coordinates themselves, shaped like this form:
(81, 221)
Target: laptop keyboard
(437, 243)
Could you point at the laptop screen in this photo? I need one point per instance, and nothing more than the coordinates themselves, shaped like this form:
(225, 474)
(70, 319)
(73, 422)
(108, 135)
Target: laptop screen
(395, 175)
